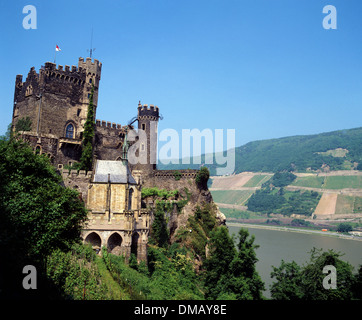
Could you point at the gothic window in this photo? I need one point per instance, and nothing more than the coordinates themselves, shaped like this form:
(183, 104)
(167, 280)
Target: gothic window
(130, 199)
(29, 91)
(69, 131)
(38, 150)
(134, 244)
(143, 126)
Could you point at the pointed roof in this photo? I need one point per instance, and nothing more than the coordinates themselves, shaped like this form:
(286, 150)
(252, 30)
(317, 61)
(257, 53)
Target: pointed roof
(117, 171)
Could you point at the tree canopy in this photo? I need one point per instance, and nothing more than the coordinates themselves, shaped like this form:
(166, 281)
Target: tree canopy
(230, 271)
(37, 213)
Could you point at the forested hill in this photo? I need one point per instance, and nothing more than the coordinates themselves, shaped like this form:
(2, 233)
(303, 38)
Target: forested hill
(340, 150)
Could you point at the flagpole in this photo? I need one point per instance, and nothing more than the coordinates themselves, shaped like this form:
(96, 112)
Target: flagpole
(55, 55)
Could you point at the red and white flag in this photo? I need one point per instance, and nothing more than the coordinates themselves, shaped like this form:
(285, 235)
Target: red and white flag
(57, 48)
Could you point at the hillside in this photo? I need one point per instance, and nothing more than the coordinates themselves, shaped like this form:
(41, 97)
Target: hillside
(316, 197)
(336, 150)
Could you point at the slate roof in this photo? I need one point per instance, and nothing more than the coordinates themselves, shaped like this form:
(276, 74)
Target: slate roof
(117, 169)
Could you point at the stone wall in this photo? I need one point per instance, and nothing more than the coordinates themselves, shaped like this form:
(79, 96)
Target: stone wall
(184, 182)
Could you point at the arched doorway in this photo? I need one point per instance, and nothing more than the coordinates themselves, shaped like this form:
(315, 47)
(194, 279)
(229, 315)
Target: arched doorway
(94, 239)
(114, 243)
(134, 245)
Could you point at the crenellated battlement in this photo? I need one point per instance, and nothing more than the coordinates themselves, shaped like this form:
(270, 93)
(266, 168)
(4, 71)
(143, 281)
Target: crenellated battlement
(93, 68)
(50, 66)
(185, 173)
(108, 124)
(73, 173)
(72, 74)
(148, 111)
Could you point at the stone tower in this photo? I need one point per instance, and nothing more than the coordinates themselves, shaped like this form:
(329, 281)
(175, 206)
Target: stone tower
(148, 122)
(56, 102)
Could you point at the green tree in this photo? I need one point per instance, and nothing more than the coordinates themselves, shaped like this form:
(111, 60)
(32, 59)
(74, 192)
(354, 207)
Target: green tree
(230, 272)
(281, 179)
(288, 285)
(243, 269)
(357, 285)
(202, 177)
(37, 214)
(344, 227)
(86, 159)
(217, 266)
(159, 231)
(23, 124)
(306, 283)
(313, 277)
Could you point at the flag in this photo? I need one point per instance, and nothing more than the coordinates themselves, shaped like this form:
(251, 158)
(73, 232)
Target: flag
(57, 48)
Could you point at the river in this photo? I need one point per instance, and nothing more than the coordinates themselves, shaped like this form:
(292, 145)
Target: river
(276, 245)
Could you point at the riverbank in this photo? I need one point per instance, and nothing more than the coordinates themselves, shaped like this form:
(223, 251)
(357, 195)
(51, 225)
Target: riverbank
(294, 229)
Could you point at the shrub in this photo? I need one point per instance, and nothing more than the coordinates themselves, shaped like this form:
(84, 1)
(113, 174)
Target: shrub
(23, 124)
(202, 177)
(177, 175)
(344, 227)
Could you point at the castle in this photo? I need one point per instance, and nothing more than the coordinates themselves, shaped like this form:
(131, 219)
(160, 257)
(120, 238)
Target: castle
(56, 100)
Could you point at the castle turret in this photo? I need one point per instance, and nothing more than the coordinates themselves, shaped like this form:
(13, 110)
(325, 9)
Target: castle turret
(93, 76)
(148, 122)
(55, 104)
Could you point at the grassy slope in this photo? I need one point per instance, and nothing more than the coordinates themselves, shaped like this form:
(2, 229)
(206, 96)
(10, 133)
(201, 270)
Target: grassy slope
(115, 290)
(297, 153)
(231, 196)
(330, 182)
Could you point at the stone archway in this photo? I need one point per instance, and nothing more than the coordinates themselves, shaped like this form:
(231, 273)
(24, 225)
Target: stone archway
(94, 239)
(114, 243)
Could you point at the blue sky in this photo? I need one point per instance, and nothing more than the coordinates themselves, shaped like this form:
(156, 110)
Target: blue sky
(266, 68)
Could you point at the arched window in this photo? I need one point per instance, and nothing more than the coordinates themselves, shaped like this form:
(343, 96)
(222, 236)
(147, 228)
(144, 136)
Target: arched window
(38, 150)
(69, 131)
(130, 195)
(134, 244)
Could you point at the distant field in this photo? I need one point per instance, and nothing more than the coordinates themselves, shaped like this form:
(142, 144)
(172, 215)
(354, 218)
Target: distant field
(238, 214)
(327, 204)
(311, 182)
(230, 182)
(348, 204)
(257, 181)
(343, 182)
(339, 153)
(231, 196)
(330, 182)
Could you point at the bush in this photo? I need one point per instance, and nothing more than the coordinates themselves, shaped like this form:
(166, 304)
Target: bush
(344, 227)
(76, 275)
(159, 231)
(177, 175)
(202, 177)
(281, 179)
